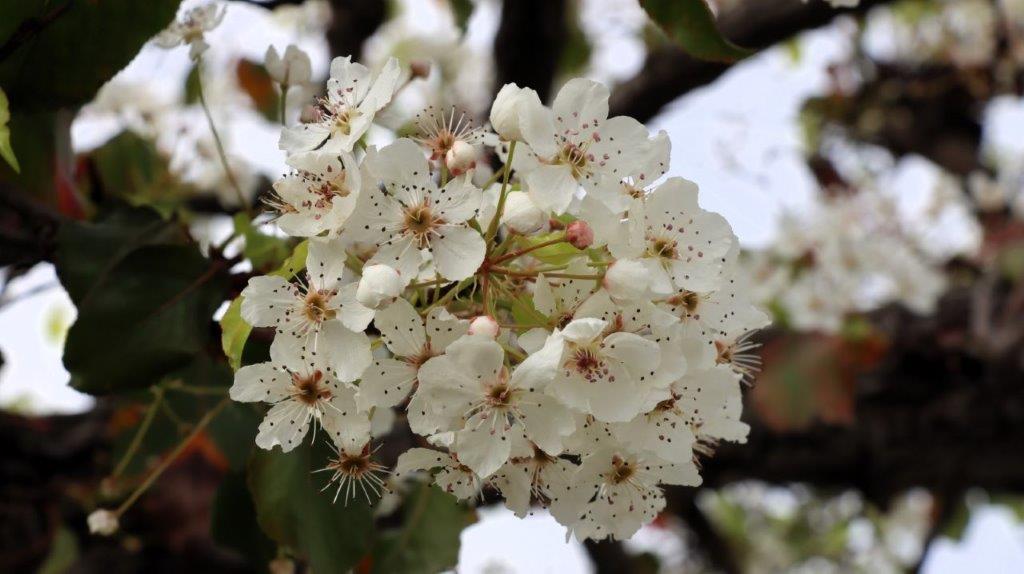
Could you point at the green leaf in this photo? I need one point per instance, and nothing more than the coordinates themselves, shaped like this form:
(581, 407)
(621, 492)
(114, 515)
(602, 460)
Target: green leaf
(557, 254)
(234, 330)
(6, 151)
(691, 25)
(261, 249)
(428, 541)
(293, 511)
(64, 51)
(233, 521)
(64, 553)
(145, 299)
(461, 11)
(130, 167)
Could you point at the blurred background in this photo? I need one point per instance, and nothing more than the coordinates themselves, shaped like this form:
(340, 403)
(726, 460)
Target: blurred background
(870, 158)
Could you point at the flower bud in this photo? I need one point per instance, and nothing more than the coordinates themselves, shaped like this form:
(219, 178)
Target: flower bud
(579, 234)
(460, 158)
(379, 286)
(103, 522)
(292, 70)
(505, 112)
(522, 215)
(484, 325)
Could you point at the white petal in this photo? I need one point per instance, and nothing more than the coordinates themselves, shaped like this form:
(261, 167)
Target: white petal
(286, 424)
(353, 314)
(303, 137)
(262, 382)
(383, 87)
(349, 80)
(443, 328)
(401, 328)
(584, 330)
(537, 124)
(402, 255)
(325, 263)
(459, 200)
(458, 252)
(639, 356)
(483, 445)
(477, 358)
(348, 353)
(386, 383)
(547, 421)
(551, 187)
(581, 101)
(266, 301)
(398, 165)
(421, 459)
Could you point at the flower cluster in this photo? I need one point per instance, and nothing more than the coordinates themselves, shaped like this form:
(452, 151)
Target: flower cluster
(569, 333)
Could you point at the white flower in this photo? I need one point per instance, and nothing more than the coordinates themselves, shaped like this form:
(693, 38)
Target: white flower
(677, 242)
(189, 28)
(522, 215)
(559, 298)
(575, 144)
(711, 403)
(344, 115)
(507, 110)
(469, 391)
(411, 215)
(635, 280)
(303, 388)
(606, 374)
(615, 492)
(453, 476)
(320, 196)
(323, 313)
(618, 194)
(532, 474)
(103, 522)
(379, 286)
(292, 70)
(352, 466)
(413, 342)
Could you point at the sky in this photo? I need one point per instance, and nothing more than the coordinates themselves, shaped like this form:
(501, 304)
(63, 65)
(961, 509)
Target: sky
(737, 138)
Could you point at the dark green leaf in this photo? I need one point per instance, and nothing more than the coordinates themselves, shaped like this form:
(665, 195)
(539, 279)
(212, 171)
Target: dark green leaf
(130, 168)
(691, 25)
(292, 510)
(145, 300)
(264, 251)
(461, 11)
(428, 541)
(63, 51)
(233, 522)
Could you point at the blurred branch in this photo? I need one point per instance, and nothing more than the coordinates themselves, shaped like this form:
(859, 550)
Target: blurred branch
(669, 73)
(353, 22)
(528, 44)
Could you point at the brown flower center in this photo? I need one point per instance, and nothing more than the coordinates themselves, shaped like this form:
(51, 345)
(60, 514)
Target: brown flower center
(309, 389)
(318, 306)
(621, 471)
(419, 222)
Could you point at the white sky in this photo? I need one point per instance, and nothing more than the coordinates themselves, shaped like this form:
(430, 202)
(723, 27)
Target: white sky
(738, 139)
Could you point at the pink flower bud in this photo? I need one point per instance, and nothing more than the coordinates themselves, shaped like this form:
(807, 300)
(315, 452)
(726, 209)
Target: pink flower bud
(460, 158)
(579, 234)
(484, 326)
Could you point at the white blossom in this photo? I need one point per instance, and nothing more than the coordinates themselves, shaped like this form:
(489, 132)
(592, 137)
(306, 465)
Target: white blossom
(103, 522)
(346, 112)
(293, 69)
(189, 28)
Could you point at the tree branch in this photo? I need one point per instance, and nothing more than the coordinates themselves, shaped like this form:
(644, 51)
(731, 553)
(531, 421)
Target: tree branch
(528, 44)
(669, 73)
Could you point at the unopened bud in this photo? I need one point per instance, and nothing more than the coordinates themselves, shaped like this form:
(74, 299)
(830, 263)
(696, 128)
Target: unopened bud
(460, 158)
(379, 286)
(579, 234)
(103, 522)
(485, 326)
(509, 105)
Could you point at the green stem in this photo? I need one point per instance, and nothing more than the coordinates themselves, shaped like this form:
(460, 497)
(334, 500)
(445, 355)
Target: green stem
(284, 104)
(220, 146)
(129, 454)
(164, 464)
(492, 229)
